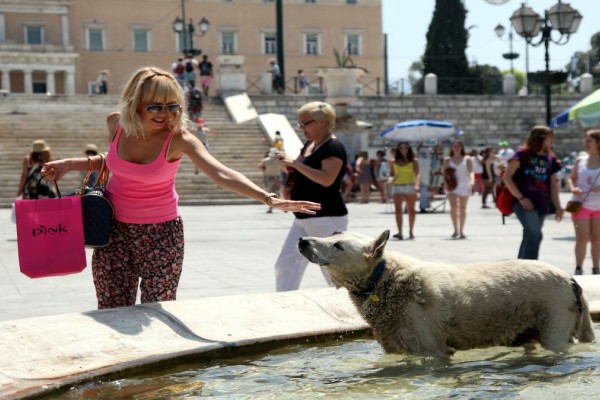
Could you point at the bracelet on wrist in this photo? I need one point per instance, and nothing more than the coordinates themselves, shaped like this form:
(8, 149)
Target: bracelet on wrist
(268, 199)
(522, 198)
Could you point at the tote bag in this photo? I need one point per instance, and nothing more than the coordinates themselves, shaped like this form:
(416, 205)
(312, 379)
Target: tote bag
(50, 236)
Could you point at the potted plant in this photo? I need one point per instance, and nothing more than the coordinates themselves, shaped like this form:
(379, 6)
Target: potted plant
(341, 80)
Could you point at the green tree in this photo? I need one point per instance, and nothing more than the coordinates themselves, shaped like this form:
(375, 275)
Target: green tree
(446, 44)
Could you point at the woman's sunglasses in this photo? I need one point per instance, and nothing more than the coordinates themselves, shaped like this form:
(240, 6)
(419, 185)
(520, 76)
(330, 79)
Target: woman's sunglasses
(156, 108)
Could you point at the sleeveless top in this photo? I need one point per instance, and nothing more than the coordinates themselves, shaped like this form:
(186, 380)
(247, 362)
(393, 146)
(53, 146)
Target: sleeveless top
(142, 193)
(463, 188)
(404, 174)
(585, 181)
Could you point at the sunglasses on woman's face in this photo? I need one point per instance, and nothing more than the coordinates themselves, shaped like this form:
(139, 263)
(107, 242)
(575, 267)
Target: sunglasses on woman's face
(156, 108)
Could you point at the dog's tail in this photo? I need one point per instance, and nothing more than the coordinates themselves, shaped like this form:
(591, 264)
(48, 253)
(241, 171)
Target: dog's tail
(584, 331)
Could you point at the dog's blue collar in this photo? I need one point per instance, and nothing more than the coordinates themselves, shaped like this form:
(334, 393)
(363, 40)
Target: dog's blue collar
(373, 281)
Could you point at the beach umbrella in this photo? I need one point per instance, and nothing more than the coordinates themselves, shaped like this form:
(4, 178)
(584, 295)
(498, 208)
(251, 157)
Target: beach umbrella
(586, 112)
(420, 131)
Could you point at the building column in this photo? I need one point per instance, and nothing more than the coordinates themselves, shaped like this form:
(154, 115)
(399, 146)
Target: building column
(50, 84)
(6, 79)
(28, 81)
(64, 25)
(70, 83)
(2, 28)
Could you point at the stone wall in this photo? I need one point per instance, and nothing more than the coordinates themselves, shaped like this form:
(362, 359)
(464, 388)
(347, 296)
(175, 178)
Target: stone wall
(484, 119)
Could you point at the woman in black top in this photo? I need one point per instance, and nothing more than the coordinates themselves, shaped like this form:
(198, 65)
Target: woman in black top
(318, 173)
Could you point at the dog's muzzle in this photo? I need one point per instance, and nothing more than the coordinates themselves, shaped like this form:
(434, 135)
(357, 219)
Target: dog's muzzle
(307, 250)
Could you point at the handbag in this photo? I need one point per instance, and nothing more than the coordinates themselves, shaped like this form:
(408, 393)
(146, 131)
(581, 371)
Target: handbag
(504, 201)
(50, 236)
(450, 179)
(97, 212)
(574, 206)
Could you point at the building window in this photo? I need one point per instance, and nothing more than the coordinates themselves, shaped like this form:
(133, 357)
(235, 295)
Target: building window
(312, 43)
(34, 35)
(310, 1)
(351, 1)
(352, 44)
(140, 40)
(227, 42)
(269, 43)
(95, 39)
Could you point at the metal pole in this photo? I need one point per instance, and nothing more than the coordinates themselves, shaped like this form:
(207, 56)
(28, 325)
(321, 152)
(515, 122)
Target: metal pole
(185, 30)
(546, 32)
(510, 39)
(280, 46)
(385, 64)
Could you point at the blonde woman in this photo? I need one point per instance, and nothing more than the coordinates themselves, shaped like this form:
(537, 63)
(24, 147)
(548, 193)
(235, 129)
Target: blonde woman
(318, 172)
(405, 186)
(147, 140)
(459, 196)
(585, 186)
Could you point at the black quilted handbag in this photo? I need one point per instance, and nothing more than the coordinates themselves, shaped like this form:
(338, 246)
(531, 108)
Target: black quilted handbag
(96, 210)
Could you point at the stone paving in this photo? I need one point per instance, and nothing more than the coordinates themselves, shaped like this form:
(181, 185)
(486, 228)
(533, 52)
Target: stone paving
(231, 250)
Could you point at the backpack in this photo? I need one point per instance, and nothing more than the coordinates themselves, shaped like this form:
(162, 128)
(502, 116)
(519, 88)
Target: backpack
(195, 98)
(384, 170)
(34, 190)
(205, 68)
(189, 67)
(178, 68)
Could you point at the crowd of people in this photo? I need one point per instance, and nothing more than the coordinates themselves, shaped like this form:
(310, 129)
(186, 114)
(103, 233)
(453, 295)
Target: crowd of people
(151, 131)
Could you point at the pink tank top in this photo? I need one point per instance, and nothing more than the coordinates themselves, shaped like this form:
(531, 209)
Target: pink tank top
(142, 194)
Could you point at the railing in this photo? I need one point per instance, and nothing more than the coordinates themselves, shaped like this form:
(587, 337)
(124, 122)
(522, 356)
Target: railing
(368, 86)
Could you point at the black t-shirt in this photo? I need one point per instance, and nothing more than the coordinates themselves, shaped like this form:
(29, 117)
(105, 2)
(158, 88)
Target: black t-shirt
(332, 203)
(205, 68)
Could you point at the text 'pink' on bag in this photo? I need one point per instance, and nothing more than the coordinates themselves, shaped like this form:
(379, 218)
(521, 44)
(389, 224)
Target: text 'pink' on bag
(50, 236)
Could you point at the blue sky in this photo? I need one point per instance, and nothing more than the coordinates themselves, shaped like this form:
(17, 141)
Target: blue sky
(406, 22)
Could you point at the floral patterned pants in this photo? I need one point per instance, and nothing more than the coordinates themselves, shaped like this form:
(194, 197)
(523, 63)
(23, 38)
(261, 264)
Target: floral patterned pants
(148, 255)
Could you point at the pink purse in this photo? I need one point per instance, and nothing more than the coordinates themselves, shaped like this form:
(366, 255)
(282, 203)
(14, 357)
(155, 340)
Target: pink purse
(50, 236)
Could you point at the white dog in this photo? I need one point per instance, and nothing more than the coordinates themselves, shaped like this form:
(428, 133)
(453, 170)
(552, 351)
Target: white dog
(434, 309)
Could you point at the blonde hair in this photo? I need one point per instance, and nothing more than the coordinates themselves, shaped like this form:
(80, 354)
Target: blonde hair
(150, 85)
(320, 111)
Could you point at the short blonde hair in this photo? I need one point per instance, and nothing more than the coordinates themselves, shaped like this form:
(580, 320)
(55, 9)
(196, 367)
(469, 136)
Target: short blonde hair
(150, 85)
(320, 111)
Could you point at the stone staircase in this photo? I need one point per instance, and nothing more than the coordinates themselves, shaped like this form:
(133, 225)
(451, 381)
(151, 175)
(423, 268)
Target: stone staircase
(68, 124)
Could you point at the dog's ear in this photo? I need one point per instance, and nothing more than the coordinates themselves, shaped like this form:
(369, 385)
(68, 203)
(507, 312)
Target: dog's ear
(378, 245)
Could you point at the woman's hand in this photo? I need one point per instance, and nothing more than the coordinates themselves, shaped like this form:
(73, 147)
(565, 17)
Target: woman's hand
(284, 159)
(54, 170)
(306, 207)
(577, 190)
(527, 204)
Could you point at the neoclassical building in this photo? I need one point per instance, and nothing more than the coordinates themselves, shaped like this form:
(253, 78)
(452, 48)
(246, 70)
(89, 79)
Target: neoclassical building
(60, 46)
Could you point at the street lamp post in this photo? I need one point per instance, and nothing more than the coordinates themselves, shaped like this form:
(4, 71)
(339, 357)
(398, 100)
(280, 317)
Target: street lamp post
(510, 55)
(529, 24)
(187, 32)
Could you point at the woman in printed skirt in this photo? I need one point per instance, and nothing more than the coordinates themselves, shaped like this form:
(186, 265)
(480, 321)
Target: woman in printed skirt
(147, 140)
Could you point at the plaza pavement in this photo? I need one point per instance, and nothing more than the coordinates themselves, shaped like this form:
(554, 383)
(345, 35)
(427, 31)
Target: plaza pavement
(231, 250)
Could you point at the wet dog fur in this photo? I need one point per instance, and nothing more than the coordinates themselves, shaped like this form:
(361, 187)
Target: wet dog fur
(435, 309)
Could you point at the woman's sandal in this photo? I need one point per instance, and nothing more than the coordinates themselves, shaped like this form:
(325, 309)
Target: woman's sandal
(398, 236)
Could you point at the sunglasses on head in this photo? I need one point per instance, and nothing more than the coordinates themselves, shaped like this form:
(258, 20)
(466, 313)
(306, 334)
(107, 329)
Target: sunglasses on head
(155, 108)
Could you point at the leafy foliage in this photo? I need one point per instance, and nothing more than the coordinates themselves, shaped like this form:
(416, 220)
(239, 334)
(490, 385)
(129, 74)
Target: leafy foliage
(446, 44)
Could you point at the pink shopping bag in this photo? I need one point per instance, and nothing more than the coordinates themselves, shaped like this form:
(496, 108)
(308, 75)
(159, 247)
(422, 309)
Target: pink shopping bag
(50, 236)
